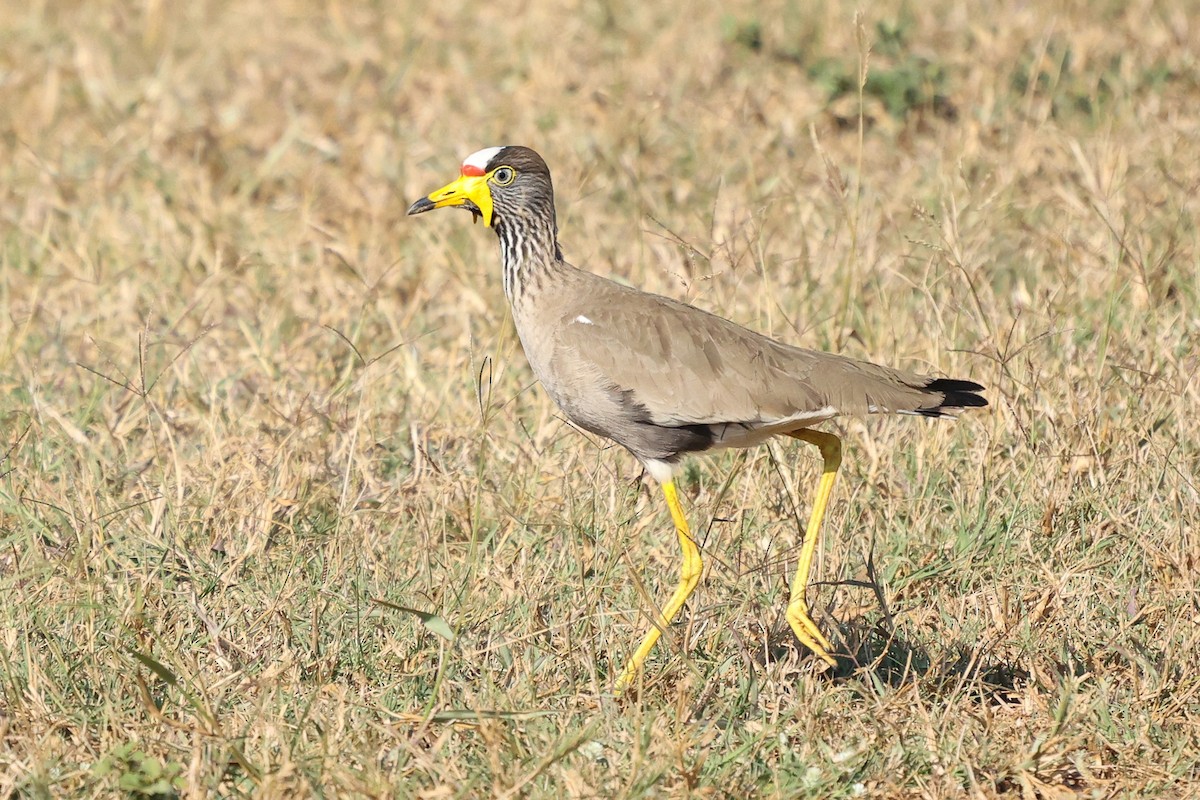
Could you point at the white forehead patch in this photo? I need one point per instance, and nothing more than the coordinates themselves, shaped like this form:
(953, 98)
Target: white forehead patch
(480, 158)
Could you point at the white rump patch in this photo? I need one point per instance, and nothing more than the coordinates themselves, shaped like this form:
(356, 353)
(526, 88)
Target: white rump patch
(661, 471)
(582, 320)
(480, 158)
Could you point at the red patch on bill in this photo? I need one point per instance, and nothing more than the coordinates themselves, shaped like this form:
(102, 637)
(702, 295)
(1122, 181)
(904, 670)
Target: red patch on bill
(470, 170)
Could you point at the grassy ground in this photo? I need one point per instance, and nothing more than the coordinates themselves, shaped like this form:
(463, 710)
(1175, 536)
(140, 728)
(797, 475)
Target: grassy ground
(250, 412)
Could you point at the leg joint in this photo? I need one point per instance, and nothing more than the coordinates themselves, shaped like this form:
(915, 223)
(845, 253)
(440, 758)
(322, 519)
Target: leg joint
(829, 445)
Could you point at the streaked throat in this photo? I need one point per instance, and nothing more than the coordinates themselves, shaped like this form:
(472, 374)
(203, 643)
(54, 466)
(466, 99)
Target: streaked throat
(528, 252)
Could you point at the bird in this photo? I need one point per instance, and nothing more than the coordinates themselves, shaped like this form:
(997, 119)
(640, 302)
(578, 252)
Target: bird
(665, 379)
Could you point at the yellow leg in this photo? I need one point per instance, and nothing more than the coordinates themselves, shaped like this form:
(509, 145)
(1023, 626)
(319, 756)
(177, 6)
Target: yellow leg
(689, 577)
(797, 611)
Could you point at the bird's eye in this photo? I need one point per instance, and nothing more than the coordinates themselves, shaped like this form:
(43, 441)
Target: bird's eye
(503, 176)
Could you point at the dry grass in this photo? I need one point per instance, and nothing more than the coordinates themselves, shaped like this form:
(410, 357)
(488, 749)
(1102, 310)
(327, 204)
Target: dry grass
(244, 396)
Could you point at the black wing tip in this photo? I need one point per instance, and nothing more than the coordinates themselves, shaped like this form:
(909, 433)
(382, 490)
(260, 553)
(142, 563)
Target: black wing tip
(954, 385)
(955, 394)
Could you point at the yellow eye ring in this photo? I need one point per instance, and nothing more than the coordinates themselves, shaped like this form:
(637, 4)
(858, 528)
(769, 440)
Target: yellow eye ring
(503, 176)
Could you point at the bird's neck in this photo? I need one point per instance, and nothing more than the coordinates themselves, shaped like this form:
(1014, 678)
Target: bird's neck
(530, 254)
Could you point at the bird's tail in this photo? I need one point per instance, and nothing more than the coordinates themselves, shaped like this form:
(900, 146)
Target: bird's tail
(956, 395)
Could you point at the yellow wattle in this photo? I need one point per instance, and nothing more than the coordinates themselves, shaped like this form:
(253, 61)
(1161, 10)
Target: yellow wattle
(466, 187)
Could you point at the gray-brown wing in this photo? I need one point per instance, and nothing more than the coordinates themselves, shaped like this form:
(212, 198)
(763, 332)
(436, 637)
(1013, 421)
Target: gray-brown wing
(685, 366)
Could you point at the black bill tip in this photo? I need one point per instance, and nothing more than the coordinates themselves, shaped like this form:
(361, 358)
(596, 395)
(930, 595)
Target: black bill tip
(421, 206)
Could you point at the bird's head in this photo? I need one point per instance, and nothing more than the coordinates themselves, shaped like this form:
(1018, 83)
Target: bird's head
(496, 183)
